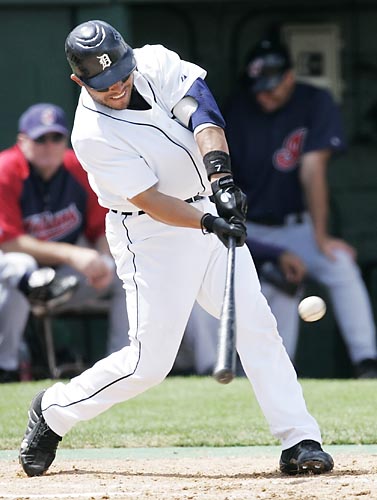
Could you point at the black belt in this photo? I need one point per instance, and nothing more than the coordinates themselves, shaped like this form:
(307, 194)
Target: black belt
(292, 218)
(141, 212)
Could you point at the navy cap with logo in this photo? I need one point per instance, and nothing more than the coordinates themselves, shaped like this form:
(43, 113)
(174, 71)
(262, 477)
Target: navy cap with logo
(41, 119)
(98, 55)
(266, 65)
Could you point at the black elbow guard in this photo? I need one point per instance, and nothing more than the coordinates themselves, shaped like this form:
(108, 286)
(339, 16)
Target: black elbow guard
(217, 162)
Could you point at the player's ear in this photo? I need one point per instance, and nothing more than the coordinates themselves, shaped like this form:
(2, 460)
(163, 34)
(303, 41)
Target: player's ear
(21, 138)
(23, 143)
(77, 80)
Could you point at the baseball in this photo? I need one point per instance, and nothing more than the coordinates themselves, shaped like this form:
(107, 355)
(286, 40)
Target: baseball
(312, 308)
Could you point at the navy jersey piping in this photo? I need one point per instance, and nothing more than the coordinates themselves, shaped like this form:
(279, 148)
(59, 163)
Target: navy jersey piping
(154, 96)
(137, 328)
(157, 128)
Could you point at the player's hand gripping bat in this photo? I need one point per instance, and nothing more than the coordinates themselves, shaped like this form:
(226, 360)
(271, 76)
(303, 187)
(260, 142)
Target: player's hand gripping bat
(225, 367)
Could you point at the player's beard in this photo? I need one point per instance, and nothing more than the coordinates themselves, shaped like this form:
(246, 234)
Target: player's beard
(108, 98)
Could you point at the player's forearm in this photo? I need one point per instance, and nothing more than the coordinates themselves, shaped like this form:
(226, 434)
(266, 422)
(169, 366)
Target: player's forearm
(318, 206)
(47, 253)
(175, 212)
(168, 209)
(211, 139)
(313, 177)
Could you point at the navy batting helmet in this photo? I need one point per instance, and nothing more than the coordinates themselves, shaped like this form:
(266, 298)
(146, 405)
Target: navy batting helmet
(98, 55)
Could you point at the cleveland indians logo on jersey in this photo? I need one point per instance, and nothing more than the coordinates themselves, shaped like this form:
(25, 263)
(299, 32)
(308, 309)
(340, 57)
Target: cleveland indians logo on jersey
(286, 158)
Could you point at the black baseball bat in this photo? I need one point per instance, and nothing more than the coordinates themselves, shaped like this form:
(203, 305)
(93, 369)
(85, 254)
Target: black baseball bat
(225, 368)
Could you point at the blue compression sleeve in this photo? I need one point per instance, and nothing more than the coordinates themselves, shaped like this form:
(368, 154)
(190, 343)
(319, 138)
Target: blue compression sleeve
(207, 110)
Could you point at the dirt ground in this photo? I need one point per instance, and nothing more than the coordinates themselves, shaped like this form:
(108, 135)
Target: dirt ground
(238, 478)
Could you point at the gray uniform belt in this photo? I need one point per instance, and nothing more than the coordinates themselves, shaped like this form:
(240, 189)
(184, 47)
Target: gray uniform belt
(141, 212)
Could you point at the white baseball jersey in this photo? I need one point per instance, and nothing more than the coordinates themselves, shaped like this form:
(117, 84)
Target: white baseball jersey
(166, 268)
(126, 152)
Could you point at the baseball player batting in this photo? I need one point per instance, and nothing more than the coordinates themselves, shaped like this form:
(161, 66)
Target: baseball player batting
(151, 137)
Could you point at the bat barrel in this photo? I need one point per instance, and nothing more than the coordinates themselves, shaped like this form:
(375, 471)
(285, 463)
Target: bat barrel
(225, 368)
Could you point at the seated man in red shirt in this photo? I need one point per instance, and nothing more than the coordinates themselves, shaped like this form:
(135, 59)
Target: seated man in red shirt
(48, 213)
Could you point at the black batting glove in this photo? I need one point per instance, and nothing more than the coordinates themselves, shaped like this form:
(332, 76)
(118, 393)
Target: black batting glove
(224, 229)
(230, 200)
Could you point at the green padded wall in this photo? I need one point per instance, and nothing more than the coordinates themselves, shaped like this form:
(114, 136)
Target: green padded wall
(217, 35)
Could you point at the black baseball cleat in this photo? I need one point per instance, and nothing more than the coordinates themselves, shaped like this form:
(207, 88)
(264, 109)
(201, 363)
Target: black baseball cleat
(38, 447)
(305, 456)
(45, 290)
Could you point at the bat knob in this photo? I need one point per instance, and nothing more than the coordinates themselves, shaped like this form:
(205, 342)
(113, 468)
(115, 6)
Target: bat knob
(223, 376)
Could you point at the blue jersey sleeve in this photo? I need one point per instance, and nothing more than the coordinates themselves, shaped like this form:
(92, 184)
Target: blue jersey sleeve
(207, 110)
(325, 130)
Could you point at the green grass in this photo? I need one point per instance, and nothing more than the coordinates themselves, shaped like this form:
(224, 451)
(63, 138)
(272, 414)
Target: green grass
(197, 411)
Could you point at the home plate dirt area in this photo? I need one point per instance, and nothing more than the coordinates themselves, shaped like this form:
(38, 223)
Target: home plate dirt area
(182, 478)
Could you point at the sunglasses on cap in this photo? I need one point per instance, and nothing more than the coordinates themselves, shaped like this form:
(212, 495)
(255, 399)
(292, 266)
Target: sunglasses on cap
(123, 80)
(54, 137)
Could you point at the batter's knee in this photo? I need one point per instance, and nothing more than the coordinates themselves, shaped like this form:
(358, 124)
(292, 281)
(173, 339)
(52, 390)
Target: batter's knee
(152, 375)
(155, 376)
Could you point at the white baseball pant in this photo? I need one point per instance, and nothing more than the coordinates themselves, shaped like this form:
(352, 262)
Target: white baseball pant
(164, 269)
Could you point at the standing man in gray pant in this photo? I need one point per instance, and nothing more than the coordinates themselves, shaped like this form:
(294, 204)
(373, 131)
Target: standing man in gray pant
(296, 128)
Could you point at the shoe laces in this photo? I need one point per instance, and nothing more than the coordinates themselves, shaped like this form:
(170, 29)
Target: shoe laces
(45, 438)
